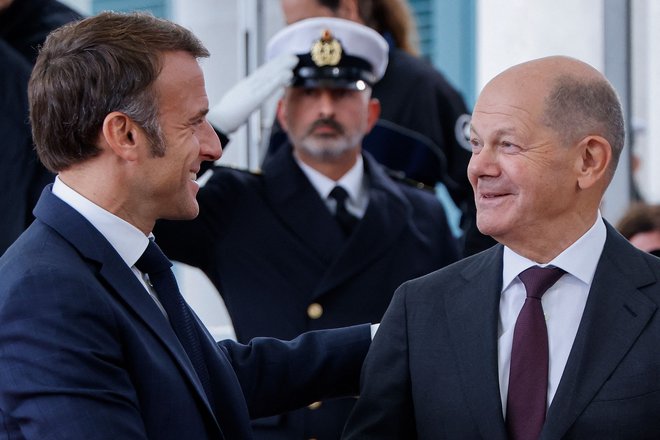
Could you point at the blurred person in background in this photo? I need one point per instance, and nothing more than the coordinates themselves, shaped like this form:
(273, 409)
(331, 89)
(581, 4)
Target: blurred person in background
(24, 25)
(641, 226)
(321, 236)
(422, 127)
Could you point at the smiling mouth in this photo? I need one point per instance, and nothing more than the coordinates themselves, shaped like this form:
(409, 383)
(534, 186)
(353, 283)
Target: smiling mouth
(492, 196)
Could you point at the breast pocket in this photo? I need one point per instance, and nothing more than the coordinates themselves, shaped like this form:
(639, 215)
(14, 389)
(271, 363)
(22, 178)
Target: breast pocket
(630, 386)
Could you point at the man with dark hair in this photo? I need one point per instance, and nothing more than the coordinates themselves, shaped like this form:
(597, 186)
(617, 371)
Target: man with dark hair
(96, 341)
(551, 334)
(321, 237)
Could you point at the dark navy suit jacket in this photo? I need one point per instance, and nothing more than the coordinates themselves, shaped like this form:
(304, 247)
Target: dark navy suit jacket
(431, 372)
(86, 354)
(271, 247)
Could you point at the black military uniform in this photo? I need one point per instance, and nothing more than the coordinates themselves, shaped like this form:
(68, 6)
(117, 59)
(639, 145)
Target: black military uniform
(421, 132)
(24, 26)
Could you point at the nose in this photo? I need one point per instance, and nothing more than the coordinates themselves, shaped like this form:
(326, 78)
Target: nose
(326, 103)
(211, 147)
(483, 163)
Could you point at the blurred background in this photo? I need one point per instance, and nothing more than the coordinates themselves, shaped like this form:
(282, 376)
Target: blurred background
(470, 41)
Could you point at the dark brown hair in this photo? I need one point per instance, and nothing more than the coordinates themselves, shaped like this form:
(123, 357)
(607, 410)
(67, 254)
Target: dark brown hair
(90, 68)
(640, 217)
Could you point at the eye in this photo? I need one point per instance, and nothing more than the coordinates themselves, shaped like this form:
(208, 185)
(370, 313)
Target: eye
(476, 145)
(509, 147)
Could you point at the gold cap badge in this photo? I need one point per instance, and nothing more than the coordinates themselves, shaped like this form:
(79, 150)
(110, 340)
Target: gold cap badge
(326, 51)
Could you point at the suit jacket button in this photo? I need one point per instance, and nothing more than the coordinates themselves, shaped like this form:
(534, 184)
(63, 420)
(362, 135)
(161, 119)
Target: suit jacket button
(315, 311)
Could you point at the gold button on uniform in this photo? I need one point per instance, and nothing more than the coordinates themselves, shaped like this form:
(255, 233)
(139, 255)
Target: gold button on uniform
(315, 311)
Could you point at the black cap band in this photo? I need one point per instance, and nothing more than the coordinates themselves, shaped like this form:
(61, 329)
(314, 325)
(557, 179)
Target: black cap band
(343, 75)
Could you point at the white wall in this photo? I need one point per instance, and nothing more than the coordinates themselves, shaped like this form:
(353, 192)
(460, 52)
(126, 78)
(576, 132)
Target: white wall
(513, 31)
(650, 150)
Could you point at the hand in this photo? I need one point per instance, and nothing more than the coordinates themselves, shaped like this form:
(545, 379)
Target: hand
(248, 94)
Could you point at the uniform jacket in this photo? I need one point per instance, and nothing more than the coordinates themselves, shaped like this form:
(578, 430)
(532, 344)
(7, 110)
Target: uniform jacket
(85, 353)
(272, 248)
(420, 133)
(438, 340)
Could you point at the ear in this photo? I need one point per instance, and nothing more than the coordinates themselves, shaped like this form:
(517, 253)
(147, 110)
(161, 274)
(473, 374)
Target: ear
(373, 114)
(122, 135)
(349, 10)
(281, 113)
(593, 165)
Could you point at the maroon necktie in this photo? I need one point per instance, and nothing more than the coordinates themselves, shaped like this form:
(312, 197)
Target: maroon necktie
(528, 378)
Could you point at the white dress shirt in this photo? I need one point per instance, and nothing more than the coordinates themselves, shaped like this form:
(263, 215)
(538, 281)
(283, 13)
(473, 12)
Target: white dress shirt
(129, 242)
(354, 182)
(563, 304)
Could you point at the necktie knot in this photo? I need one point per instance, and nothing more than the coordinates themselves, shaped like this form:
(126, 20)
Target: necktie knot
(153, 260)
(346, 220)
(339, 194)
(538, 280)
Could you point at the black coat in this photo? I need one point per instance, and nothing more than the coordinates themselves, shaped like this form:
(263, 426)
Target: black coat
(23, 28)
(272, 248)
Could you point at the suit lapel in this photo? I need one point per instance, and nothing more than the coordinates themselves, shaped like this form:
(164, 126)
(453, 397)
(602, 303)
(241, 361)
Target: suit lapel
(114, 272)
(472, 318)
(297, 204)
(615, 314)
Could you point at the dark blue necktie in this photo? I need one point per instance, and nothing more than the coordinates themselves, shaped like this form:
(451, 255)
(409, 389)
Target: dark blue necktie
(345, 219)
(154, 263)
(528, 378)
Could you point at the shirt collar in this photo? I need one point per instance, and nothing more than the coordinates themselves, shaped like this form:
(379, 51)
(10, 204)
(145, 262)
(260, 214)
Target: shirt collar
(126, 239)
(352, 181)
(579, 259)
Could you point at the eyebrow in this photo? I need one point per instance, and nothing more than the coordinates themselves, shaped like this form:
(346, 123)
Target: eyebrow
(198, 115)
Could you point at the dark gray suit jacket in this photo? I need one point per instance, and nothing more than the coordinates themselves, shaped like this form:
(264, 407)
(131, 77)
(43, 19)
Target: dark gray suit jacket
(431, 372)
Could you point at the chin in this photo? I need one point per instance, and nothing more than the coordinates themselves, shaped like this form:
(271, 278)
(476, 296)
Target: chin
(188, 211)
(488, 227)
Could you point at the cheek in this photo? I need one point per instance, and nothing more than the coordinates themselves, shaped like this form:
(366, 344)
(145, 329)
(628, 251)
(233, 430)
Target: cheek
(294, 117)
(471, 173)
